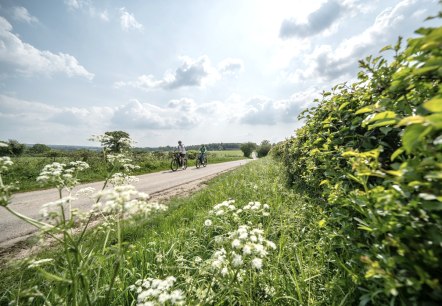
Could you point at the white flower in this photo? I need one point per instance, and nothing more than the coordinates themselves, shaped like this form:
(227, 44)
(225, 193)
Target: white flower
(197, 259)
(208, 222)
(247, 250)
(257, 263)
(237, 260)
(271, 244)
(157, 291)
(236, 244)
(224, 271)
(5, 163)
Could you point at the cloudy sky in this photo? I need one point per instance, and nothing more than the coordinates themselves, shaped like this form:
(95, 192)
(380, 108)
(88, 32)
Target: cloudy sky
(200, 71)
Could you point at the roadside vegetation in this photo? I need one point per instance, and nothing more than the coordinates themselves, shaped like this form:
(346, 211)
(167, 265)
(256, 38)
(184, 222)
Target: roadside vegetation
(244, 239)
(26, 169)
(371, 151)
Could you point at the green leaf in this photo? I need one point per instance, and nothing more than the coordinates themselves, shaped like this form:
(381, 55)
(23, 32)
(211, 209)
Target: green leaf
(411, 120)
(383, 116)
(435, 120)
(366, 109)
(382, 122)
(396, 154)
(434, 105)
(413, 135)
(343, 105)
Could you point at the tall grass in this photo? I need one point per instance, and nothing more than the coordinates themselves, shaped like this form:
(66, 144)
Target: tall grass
(192, 250)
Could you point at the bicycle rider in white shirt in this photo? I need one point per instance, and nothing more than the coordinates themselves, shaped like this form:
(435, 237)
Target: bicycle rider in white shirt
(182, 152)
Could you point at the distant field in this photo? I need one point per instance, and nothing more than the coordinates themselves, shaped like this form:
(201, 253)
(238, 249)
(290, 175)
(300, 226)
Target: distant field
(228, 153)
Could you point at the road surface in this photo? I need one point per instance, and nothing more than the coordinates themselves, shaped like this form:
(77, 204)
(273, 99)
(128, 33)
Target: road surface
(13, 229)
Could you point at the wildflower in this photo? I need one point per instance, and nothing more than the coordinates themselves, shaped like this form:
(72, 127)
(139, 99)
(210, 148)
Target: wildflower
(208, 222)
(224, 271)
(87, 191)
(236, 244)
(257, 263)
(197, 259)
(247, 250)
(157, 291)
(5, 163)
(237, 260)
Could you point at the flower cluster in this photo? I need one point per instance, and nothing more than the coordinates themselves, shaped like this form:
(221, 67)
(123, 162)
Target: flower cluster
(5, 163)
(125, 200)
(60, 175)
(248, 248)
(223, 208)
(258, 208)
(5, 190)
(152, 291)
(119, 179)
(47, 208)
(228, 210)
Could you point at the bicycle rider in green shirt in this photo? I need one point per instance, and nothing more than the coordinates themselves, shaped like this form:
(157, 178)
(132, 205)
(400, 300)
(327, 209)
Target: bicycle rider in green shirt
(203, 151)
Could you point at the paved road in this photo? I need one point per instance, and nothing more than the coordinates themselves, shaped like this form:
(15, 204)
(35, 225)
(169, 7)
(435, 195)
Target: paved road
(29, 203)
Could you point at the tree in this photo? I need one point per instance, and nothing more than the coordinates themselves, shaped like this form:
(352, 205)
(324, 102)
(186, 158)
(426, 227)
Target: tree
(39, 148)
(116, 141)
(264, 148)
(248, 148)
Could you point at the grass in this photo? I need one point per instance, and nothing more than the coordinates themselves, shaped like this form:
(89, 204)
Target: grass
(26, 169)
(303, 270)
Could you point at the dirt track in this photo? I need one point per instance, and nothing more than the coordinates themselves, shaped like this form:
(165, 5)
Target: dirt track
(159, 185)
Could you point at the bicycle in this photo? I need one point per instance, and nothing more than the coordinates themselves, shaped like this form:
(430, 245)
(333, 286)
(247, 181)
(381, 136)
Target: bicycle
(177, 161)
(199, 162)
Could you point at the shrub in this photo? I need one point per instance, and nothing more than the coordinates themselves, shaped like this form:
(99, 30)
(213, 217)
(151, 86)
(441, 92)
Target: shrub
(248, 148)
(372, 151)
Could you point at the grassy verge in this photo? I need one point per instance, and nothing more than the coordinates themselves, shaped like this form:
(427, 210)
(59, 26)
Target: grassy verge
(185, 242)
(26, 169)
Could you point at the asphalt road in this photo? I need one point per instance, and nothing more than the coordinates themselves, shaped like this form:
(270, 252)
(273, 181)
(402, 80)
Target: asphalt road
(29, 203)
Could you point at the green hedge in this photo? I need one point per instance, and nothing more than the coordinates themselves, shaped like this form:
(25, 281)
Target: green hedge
(371, 151)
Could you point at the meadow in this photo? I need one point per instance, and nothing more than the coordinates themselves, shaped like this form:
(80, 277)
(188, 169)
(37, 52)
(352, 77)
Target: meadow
(26, 169)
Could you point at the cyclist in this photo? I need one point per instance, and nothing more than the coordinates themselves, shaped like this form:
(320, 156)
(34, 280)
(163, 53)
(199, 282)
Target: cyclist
(182, 151)
(203, 151)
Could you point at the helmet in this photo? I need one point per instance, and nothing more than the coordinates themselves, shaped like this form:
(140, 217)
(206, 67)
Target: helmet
(179, 141)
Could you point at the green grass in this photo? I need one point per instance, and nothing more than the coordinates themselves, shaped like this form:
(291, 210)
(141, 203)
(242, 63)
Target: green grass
(303, 270)
(26, 169)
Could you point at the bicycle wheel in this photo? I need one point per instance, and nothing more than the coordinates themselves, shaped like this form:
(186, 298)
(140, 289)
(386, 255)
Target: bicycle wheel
(185, 163)
(205, 162)
(197, 162)
(174, 165)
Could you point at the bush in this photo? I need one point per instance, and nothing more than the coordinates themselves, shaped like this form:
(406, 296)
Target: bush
(248, 148)
(264, 148)
(372, 151)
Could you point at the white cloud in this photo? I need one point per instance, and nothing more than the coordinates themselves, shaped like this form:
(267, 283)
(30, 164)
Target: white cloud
(317, 21)
(332, 63)
(176, 114)
(28, 60)
(104, 15)
(231, 66)
(191, 73)
(77, 4)
(128, 21)
(266, 111)
(20, 13)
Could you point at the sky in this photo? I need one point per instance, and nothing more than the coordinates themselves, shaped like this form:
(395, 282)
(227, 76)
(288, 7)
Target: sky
(197, 71)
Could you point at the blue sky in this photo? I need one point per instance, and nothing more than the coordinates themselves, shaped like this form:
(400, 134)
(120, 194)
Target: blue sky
(199, 71)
